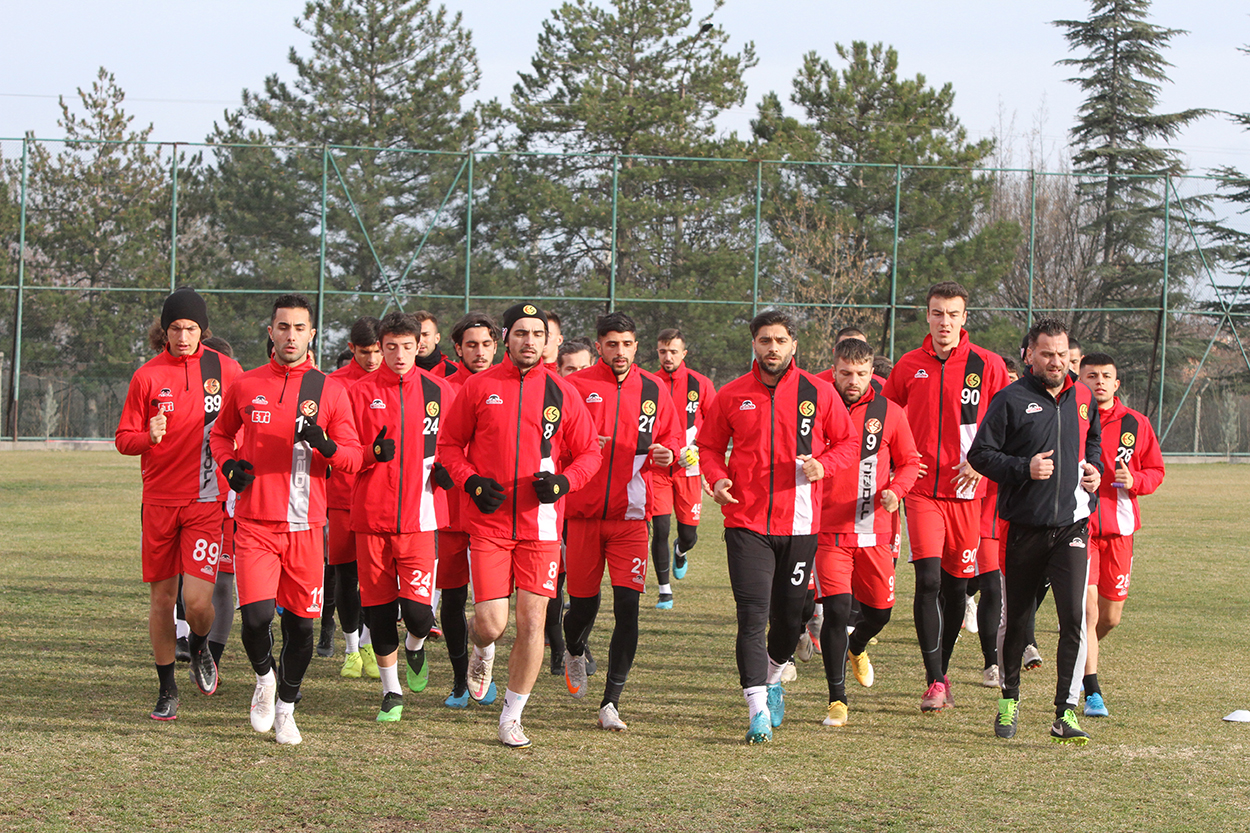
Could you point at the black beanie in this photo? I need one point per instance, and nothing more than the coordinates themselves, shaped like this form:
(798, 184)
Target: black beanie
(526, 310)
(184, 302)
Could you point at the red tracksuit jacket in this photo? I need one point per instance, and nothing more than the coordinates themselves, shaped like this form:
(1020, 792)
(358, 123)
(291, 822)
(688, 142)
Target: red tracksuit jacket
(399, 495)
(634, 413)
(506, 427)
(852, 496)
(945, 403)
(269, 405)
(178, 470)
(456, 498)
(1126, 436)
(692, 394)
(339, 486)
(770, 427)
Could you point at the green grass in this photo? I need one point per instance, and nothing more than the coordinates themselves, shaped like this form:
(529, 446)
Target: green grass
(77, 751)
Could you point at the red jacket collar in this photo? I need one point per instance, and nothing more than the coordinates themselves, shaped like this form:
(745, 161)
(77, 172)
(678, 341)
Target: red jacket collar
(181, 360)
(863, 401)
(790, 372)
(1117, 410)
(303, 367)
(958, 350)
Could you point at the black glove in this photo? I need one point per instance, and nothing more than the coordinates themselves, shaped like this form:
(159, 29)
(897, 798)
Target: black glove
(383, 449)
(550, 487)
(442, 478)
(238, 474)
(316, 437)
(486, 493)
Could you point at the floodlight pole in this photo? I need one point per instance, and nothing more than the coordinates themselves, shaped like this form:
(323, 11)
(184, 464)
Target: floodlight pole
(898, 196)
(759, 191)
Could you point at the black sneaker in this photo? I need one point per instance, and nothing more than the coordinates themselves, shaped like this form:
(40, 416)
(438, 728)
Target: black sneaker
(1067, 731)
(1007, 718)
(591, 665)
(166, 707)
(204, 672)
(325, 645)
(182, 649)
(557, 664)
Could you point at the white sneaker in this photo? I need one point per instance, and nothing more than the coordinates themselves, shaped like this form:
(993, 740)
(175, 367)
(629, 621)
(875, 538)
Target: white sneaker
(480, 675)
(511, 734)
(790, 673)
(575, 674)
(989, 677)
(970, 615)
(610, 718)
(262, 706)
(1032, 658)
(806, 649)
(285, 731)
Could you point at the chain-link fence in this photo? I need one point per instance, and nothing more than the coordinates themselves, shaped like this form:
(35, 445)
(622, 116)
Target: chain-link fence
(95, 234)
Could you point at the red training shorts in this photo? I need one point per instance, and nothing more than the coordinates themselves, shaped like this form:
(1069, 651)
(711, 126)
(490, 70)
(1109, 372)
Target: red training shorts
(590, 544)
(943, 528)
(181, 539)
(453, 559)
(865, 572)
(988, 559)
(341, 547)
(225, 564)
(1111, 565)
(271, 563)
(394, 564)
(497, 564)
(676, 494)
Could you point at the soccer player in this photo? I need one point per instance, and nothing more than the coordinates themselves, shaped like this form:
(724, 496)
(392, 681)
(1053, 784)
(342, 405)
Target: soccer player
(945, 385)
(575, 354)
(1074, 355)
(677, 489)
(223, 586)
(172, 403)
(1037, 442)
(787, 429)
(291, 421)
(476, 339)
(1131, 452)
(501, 441)
(853, 552)
(430, 356)
(396, 505)
(359, 657)
(638, 430)
(555, 338)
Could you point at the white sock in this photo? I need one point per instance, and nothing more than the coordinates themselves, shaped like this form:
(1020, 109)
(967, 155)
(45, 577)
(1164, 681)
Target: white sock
(412, 643)
(513, 705)
(820, 609)
(268, 678)
(352, 641)
(486, 653)
(774, 671)
(283, 707)
(437, 596)
(666, 588)
(390, 678)
(757, 698)
(366, 638)
(181, 629)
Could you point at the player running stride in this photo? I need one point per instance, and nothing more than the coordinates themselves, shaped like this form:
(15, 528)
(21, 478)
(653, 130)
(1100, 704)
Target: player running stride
(171, 406)
(677, 488)
(291, 421)
(638, 430)
(788, 429)
(502, 439)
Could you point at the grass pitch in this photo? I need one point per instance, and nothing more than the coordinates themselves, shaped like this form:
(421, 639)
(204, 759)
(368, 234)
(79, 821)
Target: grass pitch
(78, 752)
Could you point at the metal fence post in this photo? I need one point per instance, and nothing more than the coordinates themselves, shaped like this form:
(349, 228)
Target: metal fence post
(616, 160)
(15, 384)
(1032, 237)
(1163, 319)
(321, 271)
(759, 192)
(173, 223)
(468, 236)
(898, 195)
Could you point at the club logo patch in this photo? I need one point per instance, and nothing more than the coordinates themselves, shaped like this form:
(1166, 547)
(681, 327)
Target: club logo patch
(873, 426)
(1077, 542)
(166, 392)
(212, 387)
(377, 405)
(1033, 408)
(593, 398)
(807, 407)
(1127, 439)
(494, 399)
(922, 374)
(529, 309)
(1083, 411)
(972, 380)
(260, 400)
(693, 396)
(747, 405)
(308, 408)
(648, 407)
(551, 414)
(431, 409)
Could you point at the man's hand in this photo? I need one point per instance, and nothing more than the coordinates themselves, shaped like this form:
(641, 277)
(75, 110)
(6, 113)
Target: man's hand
(1091, 478)
(1041, 467)
(486, 493)
(442, 478)
(889, 501)
(156, 428)
(966, 476)
(383, 449)
(238, 474)
(812, 468)
(660, 455)
(604, 441)
(550, 486)
(316, 437)
(922, 469)
(720, 492)
(1123, 477)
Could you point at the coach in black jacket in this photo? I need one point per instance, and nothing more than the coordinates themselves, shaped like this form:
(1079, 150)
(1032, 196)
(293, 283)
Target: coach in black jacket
(1040, 442)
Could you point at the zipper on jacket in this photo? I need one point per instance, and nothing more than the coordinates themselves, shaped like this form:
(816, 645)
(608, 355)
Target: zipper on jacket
(186, 372)
(1058, 455)
(607, 492)
(772, 464)
(399, 498)
(516, 458)
(285, 379)
(937, 460)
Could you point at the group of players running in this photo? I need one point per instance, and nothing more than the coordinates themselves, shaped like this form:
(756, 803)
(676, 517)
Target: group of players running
(404, 475)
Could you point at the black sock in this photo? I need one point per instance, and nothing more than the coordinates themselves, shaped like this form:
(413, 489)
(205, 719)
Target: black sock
(197, 643)
(624, 643)
(216, 649)
(165, 673)
(1091, 684)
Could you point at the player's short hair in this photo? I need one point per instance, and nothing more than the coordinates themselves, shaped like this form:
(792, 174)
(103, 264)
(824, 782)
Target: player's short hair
(946, 289)
(574, 345)
(851, 332)
(881, 366)
(853, 351)
(1097, 360)
(472, 320)
(771, 317)
(399, 324)
(219, 344)
(1024, 346)
(1046, 326)
(615, 322)
(1073, 342)
(671, 334)
(343, 358)
(553, 318)
(292, 300)
(1013, 366)
(364, 332)
(423, 315)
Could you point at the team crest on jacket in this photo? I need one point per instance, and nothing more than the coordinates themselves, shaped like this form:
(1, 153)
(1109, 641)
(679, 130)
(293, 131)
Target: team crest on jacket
(377, 405)
(807, 408)
(922, 374)
(1083, 411)
(873, 426)
(972, 380)
(166, 392)
(212, 387)
(551, 414)
(747, 405)
(260, 400)
(431, 408)
(648, 408)
(594, 397)
(693, 396)
(308, 408)
(1035, 408)
(494, 399)
(1127, 439)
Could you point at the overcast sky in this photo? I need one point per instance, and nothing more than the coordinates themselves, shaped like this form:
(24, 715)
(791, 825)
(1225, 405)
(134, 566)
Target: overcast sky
(182, 63)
